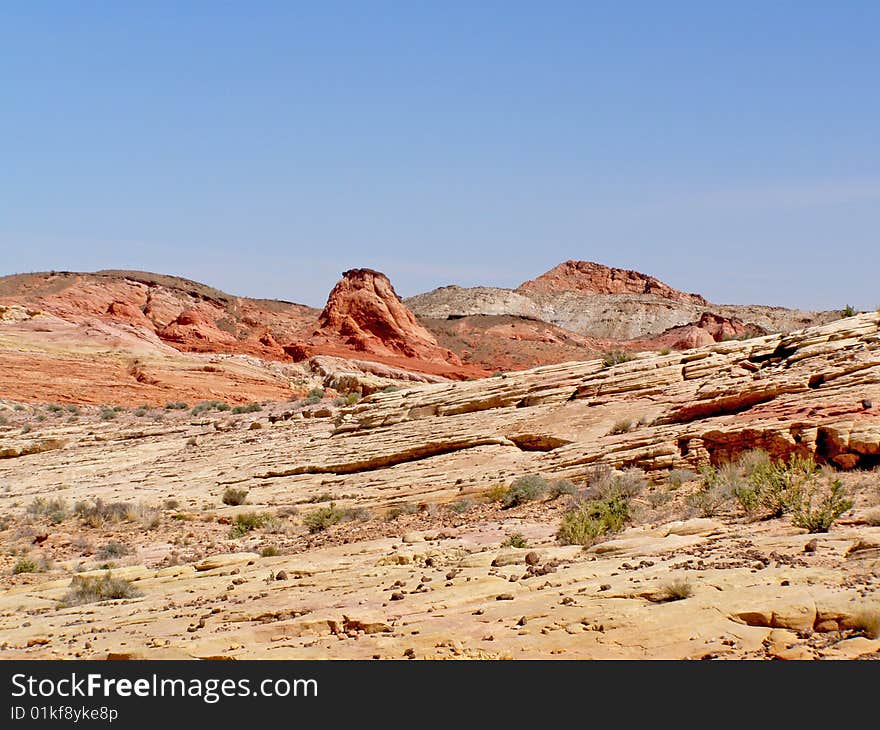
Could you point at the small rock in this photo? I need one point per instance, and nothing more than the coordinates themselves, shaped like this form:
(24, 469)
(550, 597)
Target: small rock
(411, 537)
(867, 404)
(281, 575)
(397, 596)
(605, 587)
(504, 597)
(410, 653)
(532, 558)
(811, 546)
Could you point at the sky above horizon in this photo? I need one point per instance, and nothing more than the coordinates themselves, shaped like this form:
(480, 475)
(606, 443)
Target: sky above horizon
(728, 149)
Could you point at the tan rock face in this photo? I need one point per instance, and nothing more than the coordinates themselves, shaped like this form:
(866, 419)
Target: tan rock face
(421, 562)
(592, 278)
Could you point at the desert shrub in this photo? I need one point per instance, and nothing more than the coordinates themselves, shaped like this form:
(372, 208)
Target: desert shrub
(676, 590)
(515, 540)
(30, 565)
(107, 414)
(55, 509)
(322, 518)
(815, 506)
(615, 357)
(250, 408)
(176, 406)
(717, 486)
(232, 496)
(98, 513)
(391, 389)
(584, 522)
(776, 483)
(849, 311)
(73, 409)
(398, 510)
(524, 489)
(664, 351)
(140, 412)
(270, 551)
(352, 398)
(88, 589)
(170, 504)
(624, 426)
(560, 488)
(322, 497)
(461, 506)
(209, 405)
(246, 522)
(608, 483)
(3, 420)
(496, 493)
(54, 408)
(113, 549)
(677, 477)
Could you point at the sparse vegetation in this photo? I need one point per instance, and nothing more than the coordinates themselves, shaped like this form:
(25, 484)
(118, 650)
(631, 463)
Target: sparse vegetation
(561, 488)
(676, 590)
(461, 506)
(352, 398)
(30, 565)
(107, 414)
(677, 477)
(270, 551)
(524, 489)
(815, 506)
(398, 510)
(99, 513)
(664, 351)
(88, 589)
(113, 549)
(585, 522)
(176, 406)
(322, 518)
(209, 405)
(615, 357)
(624, 426)
(246, 522)
(515, 540)
(849, 311)
(54, 509)
(235, 497)
(250, 408)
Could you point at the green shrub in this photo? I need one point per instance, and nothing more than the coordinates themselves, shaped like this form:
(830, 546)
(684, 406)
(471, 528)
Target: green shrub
(246, 522)
(615, 357)
(585, 522)
(322, 518)
(54, 408)
(234, 496)
(107, 414)
(29, 565)
(815, 507)
(87, 589)
(849, 311)
(608, 483)
(524, 489)
(176, 406)
(270, 551)
(98, 513)
(775, 483)
(250, 408)
(560, 488)
(72, 409)
(665, 351)
(515, 540)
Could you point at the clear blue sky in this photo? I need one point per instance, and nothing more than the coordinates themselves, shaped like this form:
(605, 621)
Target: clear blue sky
(263, 147)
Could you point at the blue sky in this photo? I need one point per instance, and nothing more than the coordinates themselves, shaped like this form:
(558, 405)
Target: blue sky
(727, 148)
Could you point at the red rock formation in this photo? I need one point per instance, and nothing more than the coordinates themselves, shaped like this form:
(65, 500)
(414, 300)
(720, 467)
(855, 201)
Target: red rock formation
(366, 312)
(192, 331)
(591, 278)
(707, 330)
